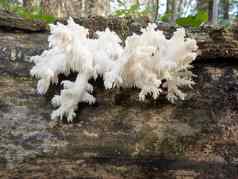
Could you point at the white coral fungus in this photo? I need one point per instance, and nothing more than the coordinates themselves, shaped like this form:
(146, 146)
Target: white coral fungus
(144, 62)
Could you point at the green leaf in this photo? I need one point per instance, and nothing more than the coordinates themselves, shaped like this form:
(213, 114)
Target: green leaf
(193, 21)
(166, 17)
(134, 11)
(134, 8)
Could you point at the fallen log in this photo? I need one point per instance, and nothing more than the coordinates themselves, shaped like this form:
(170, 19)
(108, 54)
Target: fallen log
(214, 42)
(120, 137)
(10, 20)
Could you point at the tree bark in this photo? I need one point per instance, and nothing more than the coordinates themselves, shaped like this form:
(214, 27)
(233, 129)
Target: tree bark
(168, 6)
(210, 11)
(202, 5)
(30, 4)
(174, 12)
(213, 10)
(226, 7)
(156, 10)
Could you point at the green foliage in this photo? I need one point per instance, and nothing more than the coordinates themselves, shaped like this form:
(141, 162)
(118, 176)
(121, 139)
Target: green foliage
(133, 11)
(4, 4)
(166, 17)
(35, 14)
(194, 21)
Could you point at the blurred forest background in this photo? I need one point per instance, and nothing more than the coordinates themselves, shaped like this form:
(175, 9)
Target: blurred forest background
(181, 12)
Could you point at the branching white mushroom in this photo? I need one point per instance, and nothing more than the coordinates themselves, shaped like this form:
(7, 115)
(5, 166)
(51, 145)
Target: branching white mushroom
(144, 62)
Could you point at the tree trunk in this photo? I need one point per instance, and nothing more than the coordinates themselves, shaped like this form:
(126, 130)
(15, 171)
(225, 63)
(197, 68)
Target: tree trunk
(30, 4)
(50, 7)
(174, 12)
(168, 6)
(226, 7)
(156, 10)
(171, 11)
(213, 11)
(79, 8)
(202, 5)
(210, 11)
(180, 7)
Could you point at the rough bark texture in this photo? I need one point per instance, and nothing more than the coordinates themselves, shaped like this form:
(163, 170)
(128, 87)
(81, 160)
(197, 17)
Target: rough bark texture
(120, 137)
